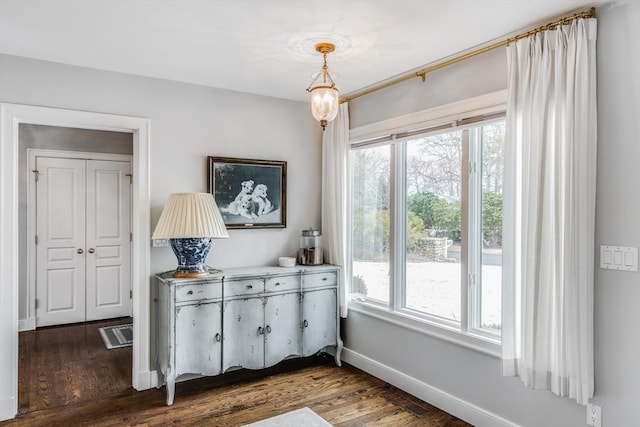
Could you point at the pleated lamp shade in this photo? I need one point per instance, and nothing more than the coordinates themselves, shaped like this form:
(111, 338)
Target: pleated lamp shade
(188, 215)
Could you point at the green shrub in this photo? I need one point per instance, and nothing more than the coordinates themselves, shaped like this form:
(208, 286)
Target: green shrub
(492, 218)
(371, 234)
(447, 218)
(358, 285)
(421, 204)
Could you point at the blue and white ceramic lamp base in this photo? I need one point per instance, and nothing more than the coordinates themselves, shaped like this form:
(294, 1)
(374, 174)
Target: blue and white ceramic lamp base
(192, 255)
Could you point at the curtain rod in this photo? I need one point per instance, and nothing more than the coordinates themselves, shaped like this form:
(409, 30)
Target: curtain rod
(591, 13)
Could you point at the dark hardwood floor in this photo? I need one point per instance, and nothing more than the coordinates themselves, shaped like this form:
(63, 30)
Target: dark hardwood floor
(63, 365)
(68, 377)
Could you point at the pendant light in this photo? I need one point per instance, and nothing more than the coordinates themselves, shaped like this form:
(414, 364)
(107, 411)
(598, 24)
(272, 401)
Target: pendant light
(324, 93)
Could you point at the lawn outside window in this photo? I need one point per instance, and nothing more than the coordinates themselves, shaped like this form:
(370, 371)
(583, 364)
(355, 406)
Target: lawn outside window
(426, 227)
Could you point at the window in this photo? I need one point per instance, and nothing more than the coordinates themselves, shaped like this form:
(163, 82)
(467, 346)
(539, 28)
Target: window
(426, 225)
(370, 222)
(434, 225)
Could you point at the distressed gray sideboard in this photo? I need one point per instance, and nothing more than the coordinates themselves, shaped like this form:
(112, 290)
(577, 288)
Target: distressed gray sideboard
(248, 318)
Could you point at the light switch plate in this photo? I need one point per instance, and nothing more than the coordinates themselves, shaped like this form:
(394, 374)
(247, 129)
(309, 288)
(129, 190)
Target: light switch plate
(158, 243)
(619, 258)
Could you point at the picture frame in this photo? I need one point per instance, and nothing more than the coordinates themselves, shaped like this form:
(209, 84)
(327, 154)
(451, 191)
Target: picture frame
(250, 193)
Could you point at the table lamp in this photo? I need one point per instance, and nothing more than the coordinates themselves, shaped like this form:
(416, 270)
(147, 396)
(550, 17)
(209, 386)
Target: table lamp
(191, 221)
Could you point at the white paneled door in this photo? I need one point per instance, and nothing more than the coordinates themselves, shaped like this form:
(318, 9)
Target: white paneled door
(108, 240)
(83, 249)
(60, 242)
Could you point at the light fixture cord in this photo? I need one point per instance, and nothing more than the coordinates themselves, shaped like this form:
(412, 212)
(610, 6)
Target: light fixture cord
(326, 77)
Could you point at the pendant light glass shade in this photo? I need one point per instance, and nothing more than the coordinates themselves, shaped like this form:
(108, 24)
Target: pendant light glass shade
(324, 103)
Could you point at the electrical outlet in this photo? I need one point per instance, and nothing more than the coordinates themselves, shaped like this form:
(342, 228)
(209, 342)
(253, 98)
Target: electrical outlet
(594, 415)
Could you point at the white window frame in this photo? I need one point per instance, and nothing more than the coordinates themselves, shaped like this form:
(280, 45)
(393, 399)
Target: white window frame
(453, 116)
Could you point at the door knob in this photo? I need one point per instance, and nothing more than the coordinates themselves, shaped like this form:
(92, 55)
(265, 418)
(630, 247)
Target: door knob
(80, 251)
(91, 250)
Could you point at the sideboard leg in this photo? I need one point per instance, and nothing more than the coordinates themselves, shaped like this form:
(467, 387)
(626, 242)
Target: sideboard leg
(171, 390)
(338, 352)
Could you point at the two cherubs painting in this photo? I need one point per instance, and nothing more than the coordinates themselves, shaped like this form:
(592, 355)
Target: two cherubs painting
(249, 193)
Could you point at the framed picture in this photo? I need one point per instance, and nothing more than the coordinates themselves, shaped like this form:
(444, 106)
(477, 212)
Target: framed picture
(249, 193)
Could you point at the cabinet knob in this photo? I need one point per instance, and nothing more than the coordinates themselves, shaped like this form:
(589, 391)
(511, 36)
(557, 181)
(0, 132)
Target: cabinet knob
(260, 330)
(80, 251)
(218, 337)
(268, 329)
(305, 323)
(249, 286)
(91, 250)
(277, 283)
(190, 293)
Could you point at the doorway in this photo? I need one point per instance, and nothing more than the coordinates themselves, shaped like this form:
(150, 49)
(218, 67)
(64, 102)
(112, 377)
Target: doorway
(11, 115)
(81, 206)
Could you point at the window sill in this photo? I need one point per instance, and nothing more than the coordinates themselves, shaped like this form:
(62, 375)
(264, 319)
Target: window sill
(478, 343)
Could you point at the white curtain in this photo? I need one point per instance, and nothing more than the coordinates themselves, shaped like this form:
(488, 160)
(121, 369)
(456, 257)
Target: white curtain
(335, 151)
(549, 210)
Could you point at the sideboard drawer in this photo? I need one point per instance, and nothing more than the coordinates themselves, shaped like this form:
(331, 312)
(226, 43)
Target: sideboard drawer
(199, 292)
(316, 280)
(282, 283)
(247, 287)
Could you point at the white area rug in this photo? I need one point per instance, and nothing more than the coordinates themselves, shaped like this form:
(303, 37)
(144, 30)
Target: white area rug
(304, 417)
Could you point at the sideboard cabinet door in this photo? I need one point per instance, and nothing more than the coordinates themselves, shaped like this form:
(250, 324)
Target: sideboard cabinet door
(198, 339)
(243, 336)
(318, 320)
(282, 327)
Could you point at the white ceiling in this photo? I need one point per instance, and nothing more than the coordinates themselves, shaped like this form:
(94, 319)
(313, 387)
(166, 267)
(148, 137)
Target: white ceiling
(263, 46)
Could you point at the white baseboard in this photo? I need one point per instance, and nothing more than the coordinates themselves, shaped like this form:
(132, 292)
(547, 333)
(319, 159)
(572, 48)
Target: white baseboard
(460, 408)
(153, 379)
(28, 324)
(8, 408)
(145, 380)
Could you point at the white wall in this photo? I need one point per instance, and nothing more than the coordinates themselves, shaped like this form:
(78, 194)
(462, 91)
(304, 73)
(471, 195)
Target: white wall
(455, 372)
(476, 76)
(188, 123)
(617, 294)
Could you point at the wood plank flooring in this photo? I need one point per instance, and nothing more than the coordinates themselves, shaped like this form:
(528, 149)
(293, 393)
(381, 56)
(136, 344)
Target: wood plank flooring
(62, 365)
(79, 382)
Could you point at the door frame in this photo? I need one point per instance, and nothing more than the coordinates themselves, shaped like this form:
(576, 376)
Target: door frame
(11, 115)
(29, 323)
